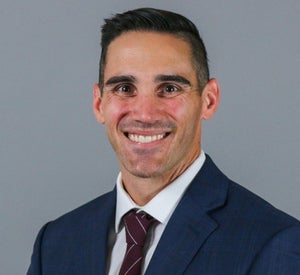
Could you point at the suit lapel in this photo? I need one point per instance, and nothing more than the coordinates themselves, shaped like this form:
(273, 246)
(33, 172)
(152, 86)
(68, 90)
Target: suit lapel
(100, 225)
(190, 224)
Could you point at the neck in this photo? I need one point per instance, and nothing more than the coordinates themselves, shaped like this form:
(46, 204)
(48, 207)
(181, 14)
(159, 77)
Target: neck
(140, 190)
(143, 189)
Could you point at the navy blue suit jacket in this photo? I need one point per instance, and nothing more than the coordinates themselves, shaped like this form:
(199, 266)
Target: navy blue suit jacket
(218, 228)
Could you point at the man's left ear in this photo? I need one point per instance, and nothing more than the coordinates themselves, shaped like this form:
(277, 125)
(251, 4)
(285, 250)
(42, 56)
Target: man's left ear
(210, 99)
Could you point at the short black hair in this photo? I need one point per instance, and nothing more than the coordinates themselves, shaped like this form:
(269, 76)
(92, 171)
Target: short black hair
(156, 20)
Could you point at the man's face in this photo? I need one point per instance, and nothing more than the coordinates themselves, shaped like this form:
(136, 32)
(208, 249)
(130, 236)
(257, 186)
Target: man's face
(150, 104)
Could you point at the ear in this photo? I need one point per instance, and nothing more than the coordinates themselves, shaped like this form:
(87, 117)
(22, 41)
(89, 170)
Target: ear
(210, 99)
(97, 107)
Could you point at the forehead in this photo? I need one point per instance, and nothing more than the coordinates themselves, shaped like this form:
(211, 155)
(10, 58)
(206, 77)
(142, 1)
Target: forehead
(148, 53)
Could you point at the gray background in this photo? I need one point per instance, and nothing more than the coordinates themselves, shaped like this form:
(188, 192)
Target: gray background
(55, 157)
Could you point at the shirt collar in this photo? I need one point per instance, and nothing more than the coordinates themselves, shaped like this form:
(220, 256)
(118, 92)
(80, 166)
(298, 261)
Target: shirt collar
(168, 197)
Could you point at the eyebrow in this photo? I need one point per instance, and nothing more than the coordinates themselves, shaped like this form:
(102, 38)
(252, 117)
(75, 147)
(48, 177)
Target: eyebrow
(173, 78)
(160, 78)
(119, 79)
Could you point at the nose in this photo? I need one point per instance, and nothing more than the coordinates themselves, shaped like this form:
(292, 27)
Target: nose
(146, 108)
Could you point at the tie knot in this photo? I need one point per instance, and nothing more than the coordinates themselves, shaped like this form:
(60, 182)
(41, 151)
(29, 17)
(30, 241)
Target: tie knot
(137, 225)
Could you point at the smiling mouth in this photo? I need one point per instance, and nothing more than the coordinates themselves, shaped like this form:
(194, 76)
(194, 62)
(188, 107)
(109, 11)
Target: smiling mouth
(146, 139)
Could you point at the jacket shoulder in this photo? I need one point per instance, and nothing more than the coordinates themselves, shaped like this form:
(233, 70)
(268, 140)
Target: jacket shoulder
(245, 203)
(72, 240)
(99, 209)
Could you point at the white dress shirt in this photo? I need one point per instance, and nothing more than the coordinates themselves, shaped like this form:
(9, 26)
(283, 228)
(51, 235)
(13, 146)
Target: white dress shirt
(161, 207)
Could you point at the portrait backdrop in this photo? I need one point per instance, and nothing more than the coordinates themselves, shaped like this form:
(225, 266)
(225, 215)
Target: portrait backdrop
(54, 156)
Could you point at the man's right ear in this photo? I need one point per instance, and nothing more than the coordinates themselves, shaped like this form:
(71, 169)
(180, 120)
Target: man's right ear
(97, 106)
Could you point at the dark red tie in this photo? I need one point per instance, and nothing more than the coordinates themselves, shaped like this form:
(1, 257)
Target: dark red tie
(136, 227)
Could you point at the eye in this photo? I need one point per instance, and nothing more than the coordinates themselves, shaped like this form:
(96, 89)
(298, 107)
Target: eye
(169, 90)
(124, 90)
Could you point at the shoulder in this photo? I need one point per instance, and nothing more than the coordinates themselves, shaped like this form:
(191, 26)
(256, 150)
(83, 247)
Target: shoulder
(244, 216)
(242, 205)
(251, 230)
(271, 236)
(75, 235)
(245, 203)
(98, 212)
(98, 207)
(280, 254)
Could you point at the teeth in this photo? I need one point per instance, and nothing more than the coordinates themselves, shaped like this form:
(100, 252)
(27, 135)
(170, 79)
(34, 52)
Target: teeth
(144, 139)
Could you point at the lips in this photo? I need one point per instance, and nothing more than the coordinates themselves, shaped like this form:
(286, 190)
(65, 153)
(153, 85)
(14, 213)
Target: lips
(146, 139)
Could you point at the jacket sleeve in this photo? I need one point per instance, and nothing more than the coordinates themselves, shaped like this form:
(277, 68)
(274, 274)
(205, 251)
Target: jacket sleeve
(281, 255)
(35, 267)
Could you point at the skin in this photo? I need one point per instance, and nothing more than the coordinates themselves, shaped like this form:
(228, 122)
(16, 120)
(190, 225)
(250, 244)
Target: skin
(152, 109)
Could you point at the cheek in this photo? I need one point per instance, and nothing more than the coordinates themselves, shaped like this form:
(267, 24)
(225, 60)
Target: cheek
(183, 111)
(113, 111)
(174, 108)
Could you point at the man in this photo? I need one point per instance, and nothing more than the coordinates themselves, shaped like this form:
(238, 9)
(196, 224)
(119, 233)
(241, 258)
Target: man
(154, 91)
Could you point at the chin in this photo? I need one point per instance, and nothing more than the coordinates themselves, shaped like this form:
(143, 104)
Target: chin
(144, 171)
(145, 174)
